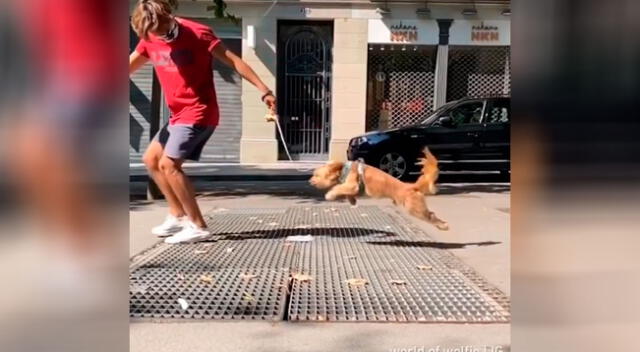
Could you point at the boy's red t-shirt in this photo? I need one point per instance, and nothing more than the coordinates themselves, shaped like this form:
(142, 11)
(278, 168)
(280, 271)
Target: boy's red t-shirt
(184, 68)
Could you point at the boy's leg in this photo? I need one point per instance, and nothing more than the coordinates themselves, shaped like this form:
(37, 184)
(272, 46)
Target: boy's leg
(151, 160)
(62, 198)
(182, 188)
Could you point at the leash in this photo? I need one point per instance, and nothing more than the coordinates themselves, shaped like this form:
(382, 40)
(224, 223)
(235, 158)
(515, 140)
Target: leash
(271, 117)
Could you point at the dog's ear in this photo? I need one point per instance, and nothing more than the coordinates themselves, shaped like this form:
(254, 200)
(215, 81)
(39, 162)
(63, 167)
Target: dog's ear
(335, 165)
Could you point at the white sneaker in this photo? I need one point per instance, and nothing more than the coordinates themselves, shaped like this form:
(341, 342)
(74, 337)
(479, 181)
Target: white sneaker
(170, 226)
(190, 233)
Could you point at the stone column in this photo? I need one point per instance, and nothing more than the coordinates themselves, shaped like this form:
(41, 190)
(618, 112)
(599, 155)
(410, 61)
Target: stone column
(258, 143)
(442, 62)
(349, 87)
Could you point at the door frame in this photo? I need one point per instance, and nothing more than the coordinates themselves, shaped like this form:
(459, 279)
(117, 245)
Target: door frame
(281, 93)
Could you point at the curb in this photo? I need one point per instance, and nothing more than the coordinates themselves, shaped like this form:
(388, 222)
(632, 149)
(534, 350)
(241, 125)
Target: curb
(219, 178)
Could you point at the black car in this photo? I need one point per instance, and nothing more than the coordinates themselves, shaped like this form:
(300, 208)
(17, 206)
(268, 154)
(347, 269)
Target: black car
(465, 134)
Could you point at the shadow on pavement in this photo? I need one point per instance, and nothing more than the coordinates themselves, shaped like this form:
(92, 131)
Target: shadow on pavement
(335, 232)
(292, 190)
(301, 190)
(440, 245)
(288, 190)
(136, 203)
(468, 188)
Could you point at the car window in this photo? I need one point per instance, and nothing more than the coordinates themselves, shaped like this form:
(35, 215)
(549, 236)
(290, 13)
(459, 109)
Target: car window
(438, 112)
(499, 112)
(466, 114)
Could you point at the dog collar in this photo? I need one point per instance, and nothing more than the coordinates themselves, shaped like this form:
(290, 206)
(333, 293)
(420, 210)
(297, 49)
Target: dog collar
(346, 169)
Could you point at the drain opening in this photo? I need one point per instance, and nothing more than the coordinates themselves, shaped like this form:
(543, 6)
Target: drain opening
(287, 297)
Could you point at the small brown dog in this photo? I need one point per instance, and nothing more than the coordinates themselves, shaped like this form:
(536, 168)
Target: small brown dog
(346, 178)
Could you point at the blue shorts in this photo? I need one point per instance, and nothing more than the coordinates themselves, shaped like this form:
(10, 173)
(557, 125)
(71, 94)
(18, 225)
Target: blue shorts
(184, 141)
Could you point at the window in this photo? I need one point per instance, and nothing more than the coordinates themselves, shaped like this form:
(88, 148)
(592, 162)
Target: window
(466, 114)
(499, 112)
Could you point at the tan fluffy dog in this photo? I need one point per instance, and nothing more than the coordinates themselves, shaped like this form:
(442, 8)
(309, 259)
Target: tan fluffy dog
(379, 184)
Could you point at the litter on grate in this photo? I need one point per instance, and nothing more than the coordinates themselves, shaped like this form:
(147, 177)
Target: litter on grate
(248, 276)
(301, 238)
(183, 303)
(302, 277)
(357, 282)
(206, 278)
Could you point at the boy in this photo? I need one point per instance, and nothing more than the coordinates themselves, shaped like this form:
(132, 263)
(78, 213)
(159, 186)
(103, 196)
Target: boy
(181, 52)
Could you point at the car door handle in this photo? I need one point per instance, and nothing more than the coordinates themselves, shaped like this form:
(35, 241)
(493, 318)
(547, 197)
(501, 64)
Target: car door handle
(472, 134)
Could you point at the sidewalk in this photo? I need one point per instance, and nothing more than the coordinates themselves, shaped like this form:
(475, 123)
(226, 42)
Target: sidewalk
(205, 176)
(234, 171)
(479, 217)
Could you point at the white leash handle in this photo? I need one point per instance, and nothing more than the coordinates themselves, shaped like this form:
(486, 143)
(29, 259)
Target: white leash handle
(270, 117)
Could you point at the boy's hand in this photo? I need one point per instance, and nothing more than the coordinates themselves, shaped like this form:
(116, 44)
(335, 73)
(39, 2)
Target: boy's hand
(270, 101)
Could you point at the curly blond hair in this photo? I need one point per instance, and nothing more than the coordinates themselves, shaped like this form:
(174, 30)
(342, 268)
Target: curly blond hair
(148, 15)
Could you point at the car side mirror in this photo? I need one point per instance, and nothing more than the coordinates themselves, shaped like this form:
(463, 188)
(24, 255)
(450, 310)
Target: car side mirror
(445, 121)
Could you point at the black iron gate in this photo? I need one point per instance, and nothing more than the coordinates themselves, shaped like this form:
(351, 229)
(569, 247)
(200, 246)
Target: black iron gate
(304, 87)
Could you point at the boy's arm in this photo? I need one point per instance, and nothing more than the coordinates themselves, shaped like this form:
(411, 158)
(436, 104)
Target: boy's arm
(136, 60)
(220, 52)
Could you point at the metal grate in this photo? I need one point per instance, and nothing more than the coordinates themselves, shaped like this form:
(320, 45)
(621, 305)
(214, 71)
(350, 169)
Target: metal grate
(348, 242)
(478, 71)
(453, 263)
(249, 279)
(392, 258)
(240, 251)
(155, 291)
(400, 85)
(435, 295)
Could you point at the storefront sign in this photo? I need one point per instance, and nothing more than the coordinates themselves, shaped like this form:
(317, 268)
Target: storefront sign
(484, 33)
(419, 32)
(487, 32)
(404, 33)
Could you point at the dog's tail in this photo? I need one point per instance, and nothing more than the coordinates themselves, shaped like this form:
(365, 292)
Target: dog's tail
(426, 183)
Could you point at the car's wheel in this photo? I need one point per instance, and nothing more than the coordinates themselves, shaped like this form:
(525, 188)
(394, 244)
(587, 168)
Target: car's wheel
(395, 164)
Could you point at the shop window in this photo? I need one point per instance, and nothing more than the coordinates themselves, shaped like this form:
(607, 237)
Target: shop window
(400, 85)
(475, 71)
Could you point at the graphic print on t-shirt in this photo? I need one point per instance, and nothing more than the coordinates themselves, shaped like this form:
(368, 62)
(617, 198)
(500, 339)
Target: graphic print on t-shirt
(162, 58)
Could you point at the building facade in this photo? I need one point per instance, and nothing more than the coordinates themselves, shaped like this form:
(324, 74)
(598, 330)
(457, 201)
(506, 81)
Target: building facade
(341, 68)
